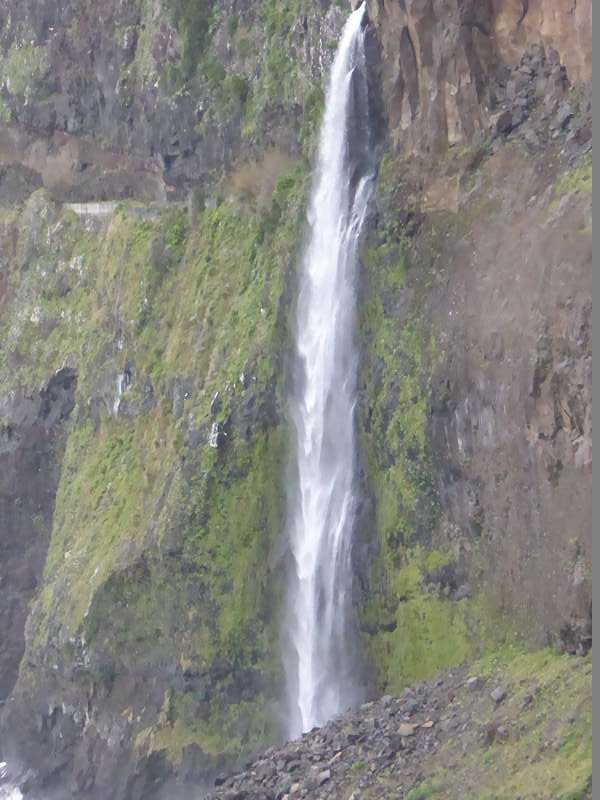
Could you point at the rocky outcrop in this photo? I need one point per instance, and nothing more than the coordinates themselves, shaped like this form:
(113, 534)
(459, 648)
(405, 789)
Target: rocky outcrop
(563, 25)
(439, 60)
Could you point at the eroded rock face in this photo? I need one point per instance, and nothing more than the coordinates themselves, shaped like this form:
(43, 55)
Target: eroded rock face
(511, 421)
(565, 25)
(32, 440)
(436, 57)
(477, 384)
(147, 100)
(440, 56)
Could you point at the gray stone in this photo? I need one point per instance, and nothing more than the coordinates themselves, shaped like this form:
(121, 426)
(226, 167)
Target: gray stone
(324, 776)
(411, 705)
(464, 591)
(498, 694)
(564, 115)
(527, 701)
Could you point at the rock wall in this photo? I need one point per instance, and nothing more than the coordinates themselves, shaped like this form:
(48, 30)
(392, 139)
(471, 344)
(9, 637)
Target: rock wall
(170, 93)
(440, 57)
(565, 25)
(152, 642)
(33, 440)
(476, 383)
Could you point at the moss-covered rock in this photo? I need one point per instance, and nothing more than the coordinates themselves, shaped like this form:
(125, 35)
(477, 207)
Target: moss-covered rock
(443, 386)
(162, 583)
(413, 624)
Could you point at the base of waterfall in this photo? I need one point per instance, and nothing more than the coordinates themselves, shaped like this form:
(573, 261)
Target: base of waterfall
(468, 732)
(10, 793)
(7, 790)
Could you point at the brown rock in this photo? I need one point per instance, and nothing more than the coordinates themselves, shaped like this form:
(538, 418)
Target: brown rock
(405, 729)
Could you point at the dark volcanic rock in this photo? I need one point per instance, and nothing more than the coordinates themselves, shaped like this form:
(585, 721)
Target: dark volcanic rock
(32, 440)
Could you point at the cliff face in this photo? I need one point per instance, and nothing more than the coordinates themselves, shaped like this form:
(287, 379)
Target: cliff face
(476, 326)
(142, 421)
(153, 99)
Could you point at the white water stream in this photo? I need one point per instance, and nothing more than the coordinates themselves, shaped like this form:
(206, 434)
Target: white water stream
(321, 677)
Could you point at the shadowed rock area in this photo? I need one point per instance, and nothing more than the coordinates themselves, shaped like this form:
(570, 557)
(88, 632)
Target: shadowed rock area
(32, 441)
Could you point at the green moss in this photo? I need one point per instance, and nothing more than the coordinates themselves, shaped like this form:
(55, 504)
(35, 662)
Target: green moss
(576, 180)
(424, 791)
(213, 71)
(547, 752)
(225, 533)
(24, 69)
(410, 631)
(193, 18)
(223, 737)
(4, 112)
(246, 47)
(311, 118)
(413, 626)
(180, 538)
(280, 85)
(413, 632)
(431, 635)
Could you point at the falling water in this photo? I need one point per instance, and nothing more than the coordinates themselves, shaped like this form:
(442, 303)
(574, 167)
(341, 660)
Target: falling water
(7, 791)
(10, 793)
(321, 503)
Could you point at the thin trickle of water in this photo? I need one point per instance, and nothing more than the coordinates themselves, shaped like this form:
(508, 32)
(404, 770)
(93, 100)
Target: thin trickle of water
(123, 383)
(118, 395)
(321, 678)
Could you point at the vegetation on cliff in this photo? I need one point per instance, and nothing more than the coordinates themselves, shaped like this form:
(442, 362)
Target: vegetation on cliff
(170, 507)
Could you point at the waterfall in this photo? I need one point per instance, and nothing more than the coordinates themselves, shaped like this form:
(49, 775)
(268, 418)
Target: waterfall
(321, 678)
